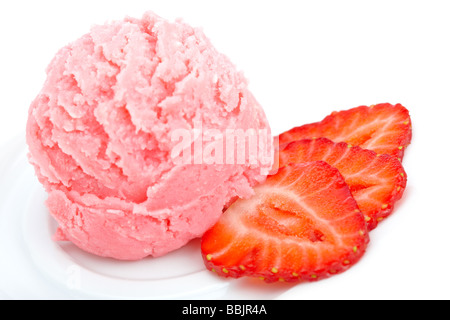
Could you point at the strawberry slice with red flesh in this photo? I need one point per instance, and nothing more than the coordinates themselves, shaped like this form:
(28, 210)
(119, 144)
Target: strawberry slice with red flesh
(301, 224)
(375, 181)
(383, 128)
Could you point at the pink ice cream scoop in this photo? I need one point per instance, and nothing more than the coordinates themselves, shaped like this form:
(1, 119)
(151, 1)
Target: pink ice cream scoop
(117, 137)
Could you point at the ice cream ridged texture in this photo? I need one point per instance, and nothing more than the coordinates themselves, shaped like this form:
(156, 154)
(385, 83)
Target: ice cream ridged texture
(99, 137)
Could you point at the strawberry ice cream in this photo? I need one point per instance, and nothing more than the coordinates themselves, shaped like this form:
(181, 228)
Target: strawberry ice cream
(100, 137)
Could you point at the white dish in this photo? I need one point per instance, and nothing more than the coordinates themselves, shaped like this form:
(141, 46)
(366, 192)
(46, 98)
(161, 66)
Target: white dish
(35, 267)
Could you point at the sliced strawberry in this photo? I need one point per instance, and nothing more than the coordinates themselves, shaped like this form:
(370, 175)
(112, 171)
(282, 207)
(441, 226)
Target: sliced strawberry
(375, 181)
(383, 128)
(301, 224)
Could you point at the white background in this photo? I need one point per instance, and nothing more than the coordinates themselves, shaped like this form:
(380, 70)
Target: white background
(303, 60)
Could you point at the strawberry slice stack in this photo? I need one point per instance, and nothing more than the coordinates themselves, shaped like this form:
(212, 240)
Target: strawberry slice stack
(336, 180)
